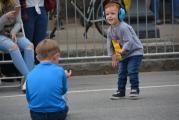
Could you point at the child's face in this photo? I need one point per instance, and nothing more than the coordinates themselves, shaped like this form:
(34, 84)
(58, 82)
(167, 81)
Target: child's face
(111, 13)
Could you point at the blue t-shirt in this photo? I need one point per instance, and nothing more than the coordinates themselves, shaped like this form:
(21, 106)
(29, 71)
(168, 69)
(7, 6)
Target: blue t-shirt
(45, 88)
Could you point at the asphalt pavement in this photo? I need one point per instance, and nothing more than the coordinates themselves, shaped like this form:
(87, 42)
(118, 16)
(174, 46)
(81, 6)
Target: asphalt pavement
(89, 99)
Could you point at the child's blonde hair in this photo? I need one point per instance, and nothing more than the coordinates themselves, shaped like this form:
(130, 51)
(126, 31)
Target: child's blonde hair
(47, 48)
(7, 2)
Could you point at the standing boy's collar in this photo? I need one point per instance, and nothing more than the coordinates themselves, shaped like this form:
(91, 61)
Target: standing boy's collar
(113, 26)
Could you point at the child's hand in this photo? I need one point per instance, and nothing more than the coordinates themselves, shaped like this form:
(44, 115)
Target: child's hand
(120, 52)
(68, 73)
(114, 60)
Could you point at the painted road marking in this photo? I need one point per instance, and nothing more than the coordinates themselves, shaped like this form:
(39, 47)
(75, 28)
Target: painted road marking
(96, 90)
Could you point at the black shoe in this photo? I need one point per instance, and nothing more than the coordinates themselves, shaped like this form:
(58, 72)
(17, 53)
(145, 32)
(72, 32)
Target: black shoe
(134, 93)
(23, 91)
(118, 94)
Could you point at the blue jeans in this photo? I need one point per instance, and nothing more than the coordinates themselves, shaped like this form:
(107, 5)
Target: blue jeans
(176, 8)
(61, 115)
(35, 25)
(129, 67)
(155, 7)
(23, 63)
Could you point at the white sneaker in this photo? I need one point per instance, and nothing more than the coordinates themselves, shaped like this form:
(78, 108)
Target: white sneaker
(134, 93)
(24, 87)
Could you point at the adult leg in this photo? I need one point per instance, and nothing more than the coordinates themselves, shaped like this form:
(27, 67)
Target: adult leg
(176, 8)
(155, 7)
(16, 56)
(29, 22)
(28, 49)
(176, 11)
(40, 29)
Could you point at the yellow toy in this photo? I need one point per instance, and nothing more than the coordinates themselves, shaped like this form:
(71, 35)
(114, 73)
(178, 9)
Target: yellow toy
(117, 48)
(127, 4)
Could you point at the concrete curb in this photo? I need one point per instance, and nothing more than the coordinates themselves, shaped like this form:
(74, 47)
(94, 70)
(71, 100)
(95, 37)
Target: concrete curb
(104, 67)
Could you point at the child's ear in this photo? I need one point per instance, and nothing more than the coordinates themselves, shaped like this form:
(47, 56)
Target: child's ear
(38, 58)
(53, 57)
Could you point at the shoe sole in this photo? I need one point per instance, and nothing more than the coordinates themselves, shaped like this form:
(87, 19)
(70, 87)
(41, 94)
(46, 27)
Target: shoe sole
(133, 95)
(117, 98)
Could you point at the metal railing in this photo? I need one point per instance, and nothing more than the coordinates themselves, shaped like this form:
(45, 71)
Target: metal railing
(3, 76)
(81, 38)
(81, 29)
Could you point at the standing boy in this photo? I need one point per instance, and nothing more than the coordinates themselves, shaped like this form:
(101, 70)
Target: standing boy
(47, 84)
(125, 48)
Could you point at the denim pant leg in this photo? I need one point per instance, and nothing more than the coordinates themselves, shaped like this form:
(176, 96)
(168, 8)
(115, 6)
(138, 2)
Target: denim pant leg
(40, 29)
(28, 18)
(176, 8)
(122, 76)
(36, 25)
(133, 71)
(61, 115)
(16, 56)
(155, 6)
(38, 115)
(24, 44)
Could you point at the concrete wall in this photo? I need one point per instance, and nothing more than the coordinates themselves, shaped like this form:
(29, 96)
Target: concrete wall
(104, 67)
